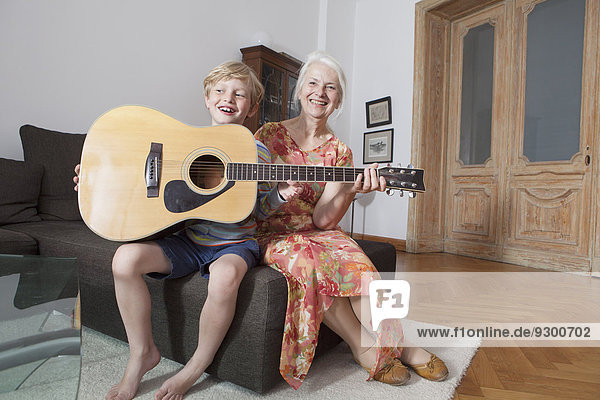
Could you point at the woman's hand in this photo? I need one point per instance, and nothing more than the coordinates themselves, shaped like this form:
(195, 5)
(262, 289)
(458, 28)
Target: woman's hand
(76, 177)
(337, 196)
(289, 189)
(368, 181)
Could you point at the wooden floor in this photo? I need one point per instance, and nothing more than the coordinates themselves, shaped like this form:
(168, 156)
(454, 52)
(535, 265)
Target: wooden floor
(515, 372)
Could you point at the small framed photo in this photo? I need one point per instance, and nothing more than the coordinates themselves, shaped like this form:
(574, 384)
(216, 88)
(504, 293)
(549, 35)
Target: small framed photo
(378, 146)
(379, 112)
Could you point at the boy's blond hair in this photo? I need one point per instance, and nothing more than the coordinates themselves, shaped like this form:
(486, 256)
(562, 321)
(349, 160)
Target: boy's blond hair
(235, 70)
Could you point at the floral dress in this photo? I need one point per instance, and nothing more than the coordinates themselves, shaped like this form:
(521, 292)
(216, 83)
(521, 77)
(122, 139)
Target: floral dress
(317, 264)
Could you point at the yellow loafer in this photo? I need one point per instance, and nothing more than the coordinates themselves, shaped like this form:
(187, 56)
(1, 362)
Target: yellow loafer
(393, 373)
(433, 370)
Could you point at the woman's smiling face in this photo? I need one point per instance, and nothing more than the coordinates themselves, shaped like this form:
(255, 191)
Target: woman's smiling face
(319, 95)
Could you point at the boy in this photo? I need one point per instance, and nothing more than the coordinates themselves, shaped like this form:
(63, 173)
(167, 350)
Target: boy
(224, 252)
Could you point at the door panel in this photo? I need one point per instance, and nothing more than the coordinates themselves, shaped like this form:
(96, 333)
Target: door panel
(554, 32)
(475, 142)
(549, 182)
(547, 216)
(473, 206)
(520, 184)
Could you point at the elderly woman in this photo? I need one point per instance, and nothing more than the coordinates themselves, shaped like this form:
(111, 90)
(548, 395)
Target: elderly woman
(324, 266)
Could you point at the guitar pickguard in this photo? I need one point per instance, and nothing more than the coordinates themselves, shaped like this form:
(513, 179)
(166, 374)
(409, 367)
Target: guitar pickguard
(180, 198)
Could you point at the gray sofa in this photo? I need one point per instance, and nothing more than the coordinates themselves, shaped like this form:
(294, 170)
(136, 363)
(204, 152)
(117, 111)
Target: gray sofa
(39, 215)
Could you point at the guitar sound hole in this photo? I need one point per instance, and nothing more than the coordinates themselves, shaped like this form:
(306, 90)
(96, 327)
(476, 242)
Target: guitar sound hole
(207, 171)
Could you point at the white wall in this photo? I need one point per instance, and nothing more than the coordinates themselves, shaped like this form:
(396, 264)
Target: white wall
(382, 65)
(64, 62)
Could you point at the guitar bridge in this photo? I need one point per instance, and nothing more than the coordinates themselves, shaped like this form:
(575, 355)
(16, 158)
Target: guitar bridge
(152, 170)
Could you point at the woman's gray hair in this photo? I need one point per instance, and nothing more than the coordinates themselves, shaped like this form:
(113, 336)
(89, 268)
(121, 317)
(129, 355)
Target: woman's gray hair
(322, 57)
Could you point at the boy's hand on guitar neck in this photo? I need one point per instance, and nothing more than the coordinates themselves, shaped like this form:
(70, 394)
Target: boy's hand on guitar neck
(76, 177)
(289, 189)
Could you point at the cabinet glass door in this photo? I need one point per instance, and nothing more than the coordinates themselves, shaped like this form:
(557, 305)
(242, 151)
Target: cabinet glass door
(270, 107)
(293, 106)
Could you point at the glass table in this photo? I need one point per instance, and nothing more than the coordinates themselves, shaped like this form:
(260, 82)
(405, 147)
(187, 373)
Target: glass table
(40, 331)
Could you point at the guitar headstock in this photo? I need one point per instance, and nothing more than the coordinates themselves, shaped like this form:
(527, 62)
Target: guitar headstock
(403, 178)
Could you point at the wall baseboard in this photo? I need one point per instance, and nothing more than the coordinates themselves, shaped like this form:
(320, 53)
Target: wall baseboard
(399, 244)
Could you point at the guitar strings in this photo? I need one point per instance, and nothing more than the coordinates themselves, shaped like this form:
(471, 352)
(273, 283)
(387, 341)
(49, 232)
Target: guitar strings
(199, 170)
(278, 167)
(216, 167)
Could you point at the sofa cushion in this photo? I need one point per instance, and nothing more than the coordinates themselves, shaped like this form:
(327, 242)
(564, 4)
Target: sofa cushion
(20, 183)
(382, 254)
(58, 153)
(68, 239)
(12, 242)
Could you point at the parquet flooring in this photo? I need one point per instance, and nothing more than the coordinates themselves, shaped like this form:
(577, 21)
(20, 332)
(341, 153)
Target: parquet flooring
(528, 373)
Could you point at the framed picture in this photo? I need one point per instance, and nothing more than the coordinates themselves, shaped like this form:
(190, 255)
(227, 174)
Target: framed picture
(379, 112)
(378, 146)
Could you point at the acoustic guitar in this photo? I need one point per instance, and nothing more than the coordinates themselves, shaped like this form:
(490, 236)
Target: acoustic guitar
(143, 172)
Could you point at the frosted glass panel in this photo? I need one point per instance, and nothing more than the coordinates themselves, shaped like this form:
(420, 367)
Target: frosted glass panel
(555, 31)
(477, 89)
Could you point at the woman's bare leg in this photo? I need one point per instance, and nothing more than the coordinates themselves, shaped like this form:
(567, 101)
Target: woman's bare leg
(410, 354)
(341, 319)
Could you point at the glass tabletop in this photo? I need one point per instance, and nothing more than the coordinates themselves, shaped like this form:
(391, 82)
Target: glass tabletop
(40, 336)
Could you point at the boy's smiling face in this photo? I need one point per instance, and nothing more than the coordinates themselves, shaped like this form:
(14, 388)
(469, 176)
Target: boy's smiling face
(228, 102)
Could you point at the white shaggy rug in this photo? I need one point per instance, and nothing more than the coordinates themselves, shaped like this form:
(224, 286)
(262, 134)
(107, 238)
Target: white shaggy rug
(332, 376)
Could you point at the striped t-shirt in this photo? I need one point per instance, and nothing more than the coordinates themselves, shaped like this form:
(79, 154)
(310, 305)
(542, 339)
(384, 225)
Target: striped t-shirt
(208, 233)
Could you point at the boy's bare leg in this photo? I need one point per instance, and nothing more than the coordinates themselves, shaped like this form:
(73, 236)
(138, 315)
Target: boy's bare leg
(226, 273)
(130, 263)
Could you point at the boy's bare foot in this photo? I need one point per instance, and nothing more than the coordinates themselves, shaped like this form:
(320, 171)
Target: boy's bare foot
(176, 386)
(136, 368)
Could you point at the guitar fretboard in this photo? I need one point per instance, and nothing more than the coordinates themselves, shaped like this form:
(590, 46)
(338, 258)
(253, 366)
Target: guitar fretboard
(284, 172)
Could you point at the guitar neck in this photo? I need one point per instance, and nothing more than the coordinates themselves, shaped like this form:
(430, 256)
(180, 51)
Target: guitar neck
(284, 172)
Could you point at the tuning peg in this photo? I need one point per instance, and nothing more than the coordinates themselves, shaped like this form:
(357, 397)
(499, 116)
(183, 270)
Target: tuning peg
(401, 193)
(412, 195)
(409, 166)
(389, 192)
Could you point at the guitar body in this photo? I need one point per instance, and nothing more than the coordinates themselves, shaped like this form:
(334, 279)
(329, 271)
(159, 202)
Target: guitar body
(137, 173)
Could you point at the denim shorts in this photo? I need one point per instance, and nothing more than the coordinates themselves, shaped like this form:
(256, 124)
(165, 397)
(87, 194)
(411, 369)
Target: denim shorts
(187, 257)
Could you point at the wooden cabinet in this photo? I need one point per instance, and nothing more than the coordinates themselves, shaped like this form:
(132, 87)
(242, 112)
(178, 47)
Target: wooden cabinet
(278, 73)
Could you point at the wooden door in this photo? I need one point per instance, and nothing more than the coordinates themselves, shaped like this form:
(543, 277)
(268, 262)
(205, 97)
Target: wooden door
(522, 125)
(550, 177)
(476, 141)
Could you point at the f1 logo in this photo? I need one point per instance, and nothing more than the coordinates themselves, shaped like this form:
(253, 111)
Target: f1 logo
(389, 299)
